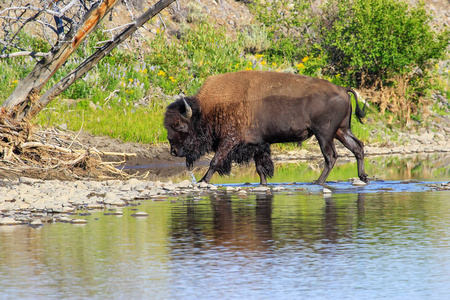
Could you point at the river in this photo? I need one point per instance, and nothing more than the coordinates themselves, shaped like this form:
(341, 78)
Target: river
(389, 239)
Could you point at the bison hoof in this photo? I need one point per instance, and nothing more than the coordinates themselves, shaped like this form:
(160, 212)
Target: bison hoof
(364, 178)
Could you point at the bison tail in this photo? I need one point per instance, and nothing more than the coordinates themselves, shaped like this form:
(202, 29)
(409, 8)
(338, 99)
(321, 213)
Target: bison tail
(360, 113)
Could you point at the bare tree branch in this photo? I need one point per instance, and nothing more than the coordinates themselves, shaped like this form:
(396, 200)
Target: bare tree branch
(25, 53)
(91, 61)
(28, 89)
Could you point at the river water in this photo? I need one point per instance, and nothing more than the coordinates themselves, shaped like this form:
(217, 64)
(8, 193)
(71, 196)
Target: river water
(390, 239)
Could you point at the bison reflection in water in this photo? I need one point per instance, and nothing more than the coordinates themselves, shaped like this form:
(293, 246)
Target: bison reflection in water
(238, 115)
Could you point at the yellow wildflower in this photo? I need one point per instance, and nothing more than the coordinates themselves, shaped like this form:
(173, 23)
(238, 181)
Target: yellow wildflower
(300, 66)
(305, 59)
(263, 62)
(161, 73)
(172, 79)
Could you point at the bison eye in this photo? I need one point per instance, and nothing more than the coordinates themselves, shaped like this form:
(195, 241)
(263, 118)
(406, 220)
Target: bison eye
(181, 127)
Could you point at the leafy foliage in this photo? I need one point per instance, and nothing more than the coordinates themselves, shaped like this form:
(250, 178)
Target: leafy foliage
(379, 38)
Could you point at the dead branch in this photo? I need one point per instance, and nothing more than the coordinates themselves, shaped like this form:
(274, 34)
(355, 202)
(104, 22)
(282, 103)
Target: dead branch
(44, 70)
(91, 61)
(25, 53)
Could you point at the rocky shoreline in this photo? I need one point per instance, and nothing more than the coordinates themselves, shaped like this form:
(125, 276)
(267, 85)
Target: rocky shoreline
(34, 202)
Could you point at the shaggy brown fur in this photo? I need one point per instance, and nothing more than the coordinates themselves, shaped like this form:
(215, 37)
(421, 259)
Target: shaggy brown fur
(238, 95)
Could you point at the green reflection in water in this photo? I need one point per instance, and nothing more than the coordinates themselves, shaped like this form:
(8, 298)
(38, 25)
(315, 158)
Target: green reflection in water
(390, 167)
(109, 253)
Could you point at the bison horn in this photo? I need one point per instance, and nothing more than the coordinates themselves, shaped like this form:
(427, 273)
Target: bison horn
(188, 113)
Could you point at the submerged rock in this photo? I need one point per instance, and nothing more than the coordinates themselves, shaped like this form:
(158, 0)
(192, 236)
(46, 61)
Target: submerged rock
(9, 221)
(261, 189)
(79, 221)
(140, 214)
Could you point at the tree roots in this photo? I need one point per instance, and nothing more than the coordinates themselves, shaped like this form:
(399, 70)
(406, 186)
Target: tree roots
(50, 154)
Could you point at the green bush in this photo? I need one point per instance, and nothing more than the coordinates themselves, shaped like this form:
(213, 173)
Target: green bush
(379, 38)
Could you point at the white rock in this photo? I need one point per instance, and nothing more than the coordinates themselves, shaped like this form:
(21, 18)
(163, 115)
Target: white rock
(11, 195)
(28, 180)
(67, 209)
(230, 189)
(169, 187)
(24, 206)
(94, 206)
(118, 202)
(203, 185)
(358, 182)
(326, 191)
(65, 219)
(125, 188)
(278, 188)
(184, 184)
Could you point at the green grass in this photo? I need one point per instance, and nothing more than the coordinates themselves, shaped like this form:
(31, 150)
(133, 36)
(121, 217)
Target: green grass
(144, 124)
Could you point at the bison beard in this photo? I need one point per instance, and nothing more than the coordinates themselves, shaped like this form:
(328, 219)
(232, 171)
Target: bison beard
(238, 115)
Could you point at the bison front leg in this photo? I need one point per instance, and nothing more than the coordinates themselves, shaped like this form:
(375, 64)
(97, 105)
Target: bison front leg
(263, 163)
(221, 161)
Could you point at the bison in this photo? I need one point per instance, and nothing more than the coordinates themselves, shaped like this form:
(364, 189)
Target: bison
(238, 115)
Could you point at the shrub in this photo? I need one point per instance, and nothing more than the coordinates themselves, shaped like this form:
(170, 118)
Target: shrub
(379, 38)
(255, 39)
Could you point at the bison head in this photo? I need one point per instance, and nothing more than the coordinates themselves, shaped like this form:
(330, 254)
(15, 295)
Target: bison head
(181, 132)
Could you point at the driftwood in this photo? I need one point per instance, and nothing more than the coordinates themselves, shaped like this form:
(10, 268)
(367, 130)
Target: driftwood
(52, 154)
